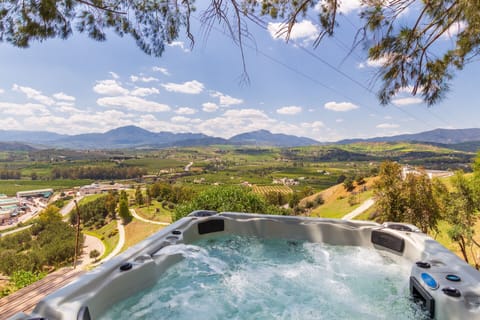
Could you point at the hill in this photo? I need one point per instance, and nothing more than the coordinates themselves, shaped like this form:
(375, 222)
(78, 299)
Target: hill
(266, 138)
(443, 136)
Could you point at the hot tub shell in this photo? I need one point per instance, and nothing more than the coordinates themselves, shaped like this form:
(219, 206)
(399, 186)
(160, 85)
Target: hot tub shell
(447, 286)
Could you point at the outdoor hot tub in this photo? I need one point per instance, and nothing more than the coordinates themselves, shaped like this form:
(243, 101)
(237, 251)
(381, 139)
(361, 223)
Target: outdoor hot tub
(229, 265)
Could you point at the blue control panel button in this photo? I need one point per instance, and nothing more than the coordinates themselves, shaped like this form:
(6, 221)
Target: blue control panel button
(429, 281)
(453, 277)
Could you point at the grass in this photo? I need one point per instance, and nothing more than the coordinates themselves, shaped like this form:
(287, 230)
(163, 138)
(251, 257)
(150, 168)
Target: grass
(149, 213)
(341, 207)
(137, 231)
(365, 215)
(105, 235)
(90, 198)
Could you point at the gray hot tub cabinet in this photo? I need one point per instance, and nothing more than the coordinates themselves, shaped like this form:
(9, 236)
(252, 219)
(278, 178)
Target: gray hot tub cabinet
(446, 286)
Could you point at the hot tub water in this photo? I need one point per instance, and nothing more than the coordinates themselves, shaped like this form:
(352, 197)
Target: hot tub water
(233, 277)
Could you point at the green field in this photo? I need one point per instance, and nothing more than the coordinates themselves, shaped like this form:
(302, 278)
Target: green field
(11, 187)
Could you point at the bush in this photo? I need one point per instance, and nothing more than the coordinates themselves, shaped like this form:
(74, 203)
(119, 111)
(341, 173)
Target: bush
(94, 254)
(21, 278)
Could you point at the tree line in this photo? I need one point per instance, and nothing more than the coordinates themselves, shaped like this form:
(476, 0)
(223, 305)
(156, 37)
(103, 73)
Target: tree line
(97, 172)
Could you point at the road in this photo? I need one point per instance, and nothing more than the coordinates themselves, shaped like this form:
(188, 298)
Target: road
(187, 167)
(69, 207)
(364, 206)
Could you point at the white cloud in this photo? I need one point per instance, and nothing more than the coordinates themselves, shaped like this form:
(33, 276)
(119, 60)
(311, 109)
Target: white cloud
(179, 44)
(345, 6)
(339, 120)
(225, 100)
(209, 107)
(180, 119)
(142, 79)
(27, 109)
(235, 121)
(340, 106)
(313, 126)
(34, 95)
(10, 124)
(63, 96)
(387, 126)
(133, 103)
(1, 91)
(407, 101)
(378, 63)
(454, 30)
(185, 110)
(143, 92)
(290, 110)
(109, 87)
(114, 75)
(304, 30)
(161, 70)
(189, 87)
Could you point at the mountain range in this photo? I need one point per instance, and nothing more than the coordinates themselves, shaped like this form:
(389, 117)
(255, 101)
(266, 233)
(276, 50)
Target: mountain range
(135, 137)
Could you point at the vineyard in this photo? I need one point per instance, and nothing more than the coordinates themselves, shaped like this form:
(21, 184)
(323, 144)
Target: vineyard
(267, 189)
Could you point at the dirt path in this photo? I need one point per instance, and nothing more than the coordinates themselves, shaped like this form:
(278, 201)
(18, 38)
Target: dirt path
(364, 206)
(91, 243)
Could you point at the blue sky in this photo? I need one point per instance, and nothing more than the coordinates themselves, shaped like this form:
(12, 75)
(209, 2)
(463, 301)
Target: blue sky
(79, 85)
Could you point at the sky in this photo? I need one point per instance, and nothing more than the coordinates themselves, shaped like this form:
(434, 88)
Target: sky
(79, 85)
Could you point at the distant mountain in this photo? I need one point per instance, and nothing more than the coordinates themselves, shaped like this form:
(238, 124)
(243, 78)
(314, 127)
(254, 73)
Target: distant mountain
(135, 137)
(29, 136)
(443, 136)
(15, 146)
(124, 137)
(266, 138)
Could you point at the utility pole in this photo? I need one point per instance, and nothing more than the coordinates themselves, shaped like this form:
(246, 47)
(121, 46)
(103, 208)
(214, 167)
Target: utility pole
(77, 235)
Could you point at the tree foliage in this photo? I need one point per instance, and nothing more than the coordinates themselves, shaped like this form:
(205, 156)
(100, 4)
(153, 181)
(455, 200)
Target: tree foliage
(123, 210)
(462, 213)
(139, 196)
(411, 200)
(49, 242)
(98, 212)
(230, 198)
(411, 57)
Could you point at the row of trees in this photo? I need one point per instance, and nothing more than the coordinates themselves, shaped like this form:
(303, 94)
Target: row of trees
(6, 174)
(425, 202)
(97, 172)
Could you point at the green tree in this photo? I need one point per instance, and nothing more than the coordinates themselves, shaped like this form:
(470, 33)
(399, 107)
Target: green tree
(421, 207)
(461, 214)
(348, 184)
(139, 196)
(409, 52)
(388, 195)
(230, 198)
(123, 210)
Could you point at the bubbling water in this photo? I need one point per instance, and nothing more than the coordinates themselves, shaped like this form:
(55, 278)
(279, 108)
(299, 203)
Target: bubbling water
(249, 278)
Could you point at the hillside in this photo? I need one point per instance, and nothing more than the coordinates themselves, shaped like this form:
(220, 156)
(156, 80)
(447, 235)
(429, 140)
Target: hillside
(444, 136)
